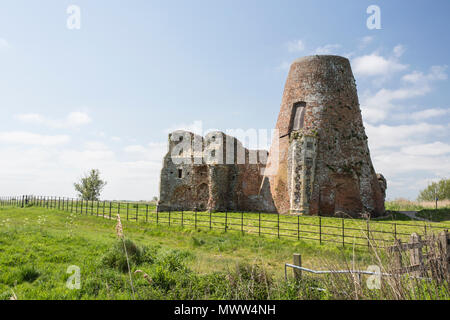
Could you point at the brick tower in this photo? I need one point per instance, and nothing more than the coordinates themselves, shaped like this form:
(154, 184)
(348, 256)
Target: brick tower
(324, 164)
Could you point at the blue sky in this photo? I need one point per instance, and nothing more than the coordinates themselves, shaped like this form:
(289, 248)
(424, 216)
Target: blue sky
(105, 96)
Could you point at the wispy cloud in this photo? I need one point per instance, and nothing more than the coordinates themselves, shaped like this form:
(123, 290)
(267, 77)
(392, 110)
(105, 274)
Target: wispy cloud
(73, 119)
(377, 106)
(4, 44)
(295, 46)
(429, 113)
(328, 49)
(29, 138)
(365, 41)
(376, 65)
(194, 127)
(435, 73)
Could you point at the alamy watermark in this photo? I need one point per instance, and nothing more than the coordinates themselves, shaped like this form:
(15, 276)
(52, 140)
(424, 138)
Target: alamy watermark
(74, 281)
(373, 282)
(74, 18)
(216, 148)
(374, 20)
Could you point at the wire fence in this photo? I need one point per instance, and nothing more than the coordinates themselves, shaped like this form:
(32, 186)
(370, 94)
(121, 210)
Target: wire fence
(340, 231)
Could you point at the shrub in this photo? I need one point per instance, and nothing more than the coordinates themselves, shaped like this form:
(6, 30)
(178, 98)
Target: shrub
(116, 257)
(249, 282)
(28, 274)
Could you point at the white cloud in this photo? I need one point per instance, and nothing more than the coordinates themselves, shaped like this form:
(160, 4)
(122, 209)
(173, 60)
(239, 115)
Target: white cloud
(376, 107)
(295, 46)
(436, 73)
(365, 41)
(397, 136)
(76, 119)
(135, 149)
(95, 145)
(194, 127)
(429, 113)
(430, 149)
(154, 151)
(29, 169)
(376, 65)
(28, 138)
(72, 120)
(4, 44)
(328, 49)
(406, 156)
(399, 50)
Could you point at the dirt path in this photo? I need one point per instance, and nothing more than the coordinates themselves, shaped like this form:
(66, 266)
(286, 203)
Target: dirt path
(413, 215)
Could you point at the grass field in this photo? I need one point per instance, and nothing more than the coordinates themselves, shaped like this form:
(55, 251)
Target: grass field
(408, 205)
(38, 245)
(344, 232)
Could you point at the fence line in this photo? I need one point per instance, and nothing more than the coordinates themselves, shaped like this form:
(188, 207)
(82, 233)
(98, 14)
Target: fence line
(340, 231)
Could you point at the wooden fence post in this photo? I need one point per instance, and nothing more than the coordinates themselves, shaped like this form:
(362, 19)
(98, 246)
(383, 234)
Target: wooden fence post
(395, 230)
(259, 224)
(320, 230)
(226, 220)
(415, 257)
(297, 262)
(278, 225)
(397, 255)
(444, 246)
(195, 218)
(157, 215)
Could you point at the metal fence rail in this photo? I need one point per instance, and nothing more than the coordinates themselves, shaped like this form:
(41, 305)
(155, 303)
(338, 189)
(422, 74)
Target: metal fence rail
(340, 231)
(293, 266)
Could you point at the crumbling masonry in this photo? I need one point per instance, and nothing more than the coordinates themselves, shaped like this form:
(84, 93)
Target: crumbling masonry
(319, 162)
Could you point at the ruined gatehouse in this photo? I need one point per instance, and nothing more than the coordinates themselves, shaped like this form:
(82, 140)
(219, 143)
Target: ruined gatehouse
(214, 172)
(319, 161)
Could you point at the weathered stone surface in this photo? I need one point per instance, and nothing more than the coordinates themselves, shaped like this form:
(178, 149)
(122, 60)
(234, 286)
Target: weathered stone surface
(324, 161)
(214, 173)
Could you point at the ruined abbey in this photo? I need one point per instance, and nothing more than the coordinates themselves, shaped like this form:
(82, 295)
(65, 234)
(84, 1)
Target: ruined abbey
(319, 161)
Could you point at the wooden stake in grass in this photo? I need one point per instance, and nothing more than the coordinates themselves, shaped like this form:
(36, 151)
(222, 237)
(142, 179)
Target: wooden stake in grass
(13, 297)
(120, 235)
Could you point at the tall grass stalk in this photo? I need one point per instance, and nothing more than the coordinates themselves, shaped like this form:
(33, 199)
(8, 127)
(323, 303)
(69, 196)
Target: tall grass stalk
(120, 235)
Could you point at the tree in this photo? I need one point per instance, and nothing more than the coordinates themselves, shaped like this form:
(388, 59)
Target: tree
(90, 187)
(439, 190)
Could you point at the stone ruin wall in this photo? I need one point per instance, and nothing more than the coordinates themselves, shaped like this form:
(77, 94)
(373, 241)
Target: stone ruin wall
(214, 172)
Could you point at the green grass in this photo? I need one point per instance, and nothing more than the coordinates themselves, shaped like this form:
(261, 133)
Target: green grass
(438, 215)
(382, 231)
(37, 246)
(402, 205)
